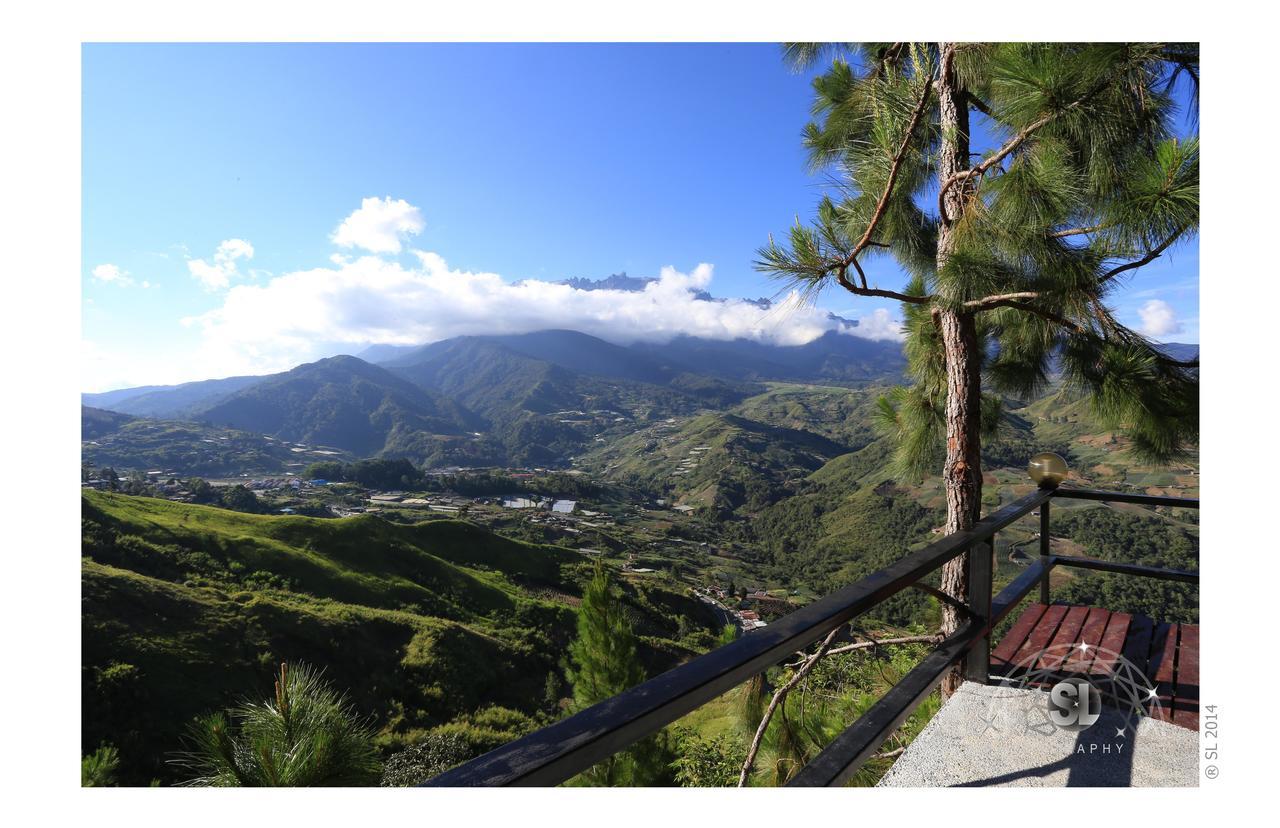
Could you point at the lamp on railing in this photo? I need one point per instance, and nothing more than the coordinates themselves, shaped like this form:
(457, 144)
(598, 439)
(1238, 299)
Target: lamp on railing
(1047, 469)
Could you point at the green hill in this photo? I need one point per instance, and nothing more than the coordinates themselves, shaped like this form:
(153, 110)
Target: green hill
(97, 422)
(843, 415)
(188, 608)
(343, 402)
(721, 461)
(182, 449)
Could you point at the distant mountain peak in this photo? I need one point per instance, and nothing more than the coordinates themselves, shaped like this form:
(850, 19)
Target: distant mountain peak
(616, 281)
(621, 281)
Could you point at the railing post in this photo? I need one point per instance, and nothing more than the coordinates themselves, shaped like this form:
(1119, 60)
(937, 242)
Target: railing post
(1044, 552)
(978, 662)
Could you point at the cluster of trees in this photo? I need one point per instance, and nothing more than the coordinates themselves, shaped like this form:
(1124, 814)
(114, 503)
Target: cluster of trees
(239, 497)
(1151, 541)
(375, 473)
(134, 482)
(381, 473)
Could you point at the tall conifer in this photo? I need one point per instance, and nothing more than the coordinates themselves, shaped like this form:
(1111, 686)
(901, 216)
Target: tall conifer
(603, 663)
(1018, 185)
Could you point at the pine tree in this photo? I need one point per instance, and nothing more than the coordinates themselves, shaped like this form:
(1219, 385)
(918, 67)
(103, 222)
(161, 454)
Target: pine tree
(1011, 250)
(604, 663)
(308, 735)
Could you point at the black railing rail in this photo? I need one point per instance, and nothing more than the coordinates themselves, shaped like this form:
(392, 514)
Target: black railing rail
(559, 751)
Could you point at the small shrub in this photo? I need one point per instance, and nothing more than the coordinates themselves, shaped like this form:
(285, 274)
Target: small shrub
(707, 763)
(98, 769)
(436, 753)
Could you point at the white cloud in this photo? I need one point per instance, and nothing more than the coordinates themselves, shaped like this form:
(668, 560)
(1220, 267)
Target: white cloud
(218, 275)
(880, 325)
(380, 225)
(112, 274)
(1159, 318)
(301, 316)
(277, 322)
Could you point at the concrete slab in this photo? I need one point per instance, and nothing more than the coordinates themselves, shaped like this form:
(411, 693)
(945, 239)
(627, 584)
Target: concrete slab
(996, 736)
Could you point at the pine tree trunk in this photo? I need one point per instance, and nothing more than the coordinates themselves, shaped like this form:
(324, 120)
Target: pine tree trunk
(962, 470)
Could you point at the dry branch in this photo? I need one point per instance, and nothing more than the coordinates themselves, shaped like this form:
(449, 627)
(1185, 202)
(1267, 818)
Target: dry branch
(802, 669)
(778, 696)
(883, 642)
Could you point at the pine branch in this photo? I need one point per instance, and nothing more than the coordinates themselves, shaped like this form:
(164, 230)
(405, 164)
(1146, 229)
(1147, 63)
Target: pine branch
(1043, 313)
(894, 168)
(866, 291)
(890, 56)
(882, 203)
(1079, 231)
(1011, 145)
(1151, 256)
(979, 104)
(999, 300)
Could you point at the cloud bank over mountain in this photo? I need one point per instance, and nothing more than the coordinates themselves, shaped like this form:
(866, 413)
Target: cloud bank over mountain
(384, 299)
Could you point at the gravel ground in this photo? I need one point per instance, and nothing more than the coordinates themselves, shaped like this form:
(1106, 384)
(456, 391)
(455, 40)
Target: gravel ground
(980, 738)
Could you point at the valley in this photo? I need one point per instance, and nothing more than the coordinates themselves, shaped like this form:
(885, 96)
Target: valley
(434, 519)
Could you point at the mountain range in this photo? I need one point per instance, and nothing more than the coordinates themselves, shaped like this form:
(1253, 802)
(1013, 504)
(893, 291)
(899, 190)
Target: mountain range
(524, 399)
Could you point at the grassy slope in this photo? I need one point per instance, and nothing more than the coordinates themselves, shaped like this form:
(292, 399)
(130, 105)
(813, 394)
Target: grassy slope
(188, 608)
(839, 414)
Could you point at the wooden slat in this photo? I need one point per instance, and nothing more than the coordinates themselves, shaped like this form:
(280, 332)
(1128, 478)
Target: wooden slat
(1002, 655)
(1112, 645)
(1186, 700)
(1095, 624)
(1164, 649)
(1040, 637)
(1164, 655)
(1068, 633)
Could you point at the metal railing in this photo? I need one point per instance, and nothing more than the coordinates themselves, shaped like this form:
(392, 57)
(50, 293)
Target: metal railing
(559, 751)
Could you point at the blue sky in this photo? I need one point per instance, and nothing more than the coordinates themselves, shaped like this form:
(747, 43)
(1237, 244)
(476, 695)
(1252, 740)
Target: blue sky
(216, 179)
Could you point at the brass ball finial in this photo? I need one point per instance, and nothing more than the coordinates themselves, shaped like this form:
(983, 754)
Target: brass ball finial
(1047, 470)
